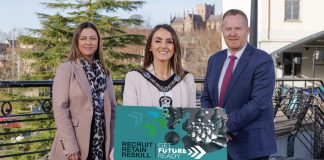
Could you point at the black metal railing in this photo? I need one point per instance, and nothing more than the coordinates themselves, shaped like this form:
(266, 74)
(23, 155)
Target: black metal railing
(27, 125)
(298, 105)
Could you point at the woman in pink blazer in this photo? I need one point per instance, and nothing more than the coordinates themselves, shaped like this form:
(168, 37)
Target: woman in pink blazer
(162, 81)
(83, 101)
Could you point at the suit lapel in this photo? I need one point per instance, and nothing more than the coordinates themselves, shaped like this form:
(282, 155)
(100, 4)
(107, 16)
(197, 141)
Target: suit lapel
(245, 58)
(218, 69)
(82, 78)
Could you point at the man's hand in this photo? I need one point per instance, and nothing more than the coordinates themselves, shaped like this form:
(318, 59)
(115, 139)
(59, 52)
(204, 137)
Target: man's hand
(228, 137)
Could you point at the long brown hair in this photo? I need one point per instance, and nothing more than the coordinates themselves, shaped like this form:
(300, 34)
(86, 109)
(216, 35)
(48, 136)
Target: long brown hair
(175, 61)
(75, 53)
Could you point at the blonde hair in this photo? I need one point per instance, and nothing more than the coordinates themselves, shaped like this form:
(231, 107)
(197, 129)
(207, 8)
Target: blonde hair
(233, 12)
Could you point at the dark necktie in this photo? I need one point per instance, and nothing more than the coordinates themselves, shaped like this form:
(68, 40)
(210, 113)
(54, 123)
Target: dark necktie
(226, 79)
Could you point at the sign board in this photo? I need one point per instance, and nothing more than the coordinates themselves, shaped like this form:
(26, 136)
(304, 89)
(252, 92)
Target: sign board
(157, 133)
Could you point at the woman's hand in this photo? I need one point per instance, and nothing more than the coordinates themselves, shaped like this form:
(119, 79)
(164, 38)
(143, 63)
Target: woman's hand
(75, 156)
(111, 155)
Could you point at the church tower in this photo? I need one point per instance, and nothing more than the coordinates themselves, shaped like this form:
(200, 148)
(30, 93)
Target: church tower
(205, 10)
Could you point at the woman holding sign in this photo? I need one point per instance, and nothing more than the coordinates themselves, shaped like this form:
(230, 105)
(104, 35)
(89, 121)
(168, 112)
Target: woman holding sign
(161, 81)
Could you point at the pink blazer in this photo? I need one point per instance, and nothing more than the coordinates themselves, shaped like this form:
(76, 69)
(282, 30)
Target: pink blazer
(73, 110)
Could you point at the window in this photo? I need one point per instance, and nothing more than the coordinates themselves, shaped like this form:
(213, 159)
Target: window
(292, 9)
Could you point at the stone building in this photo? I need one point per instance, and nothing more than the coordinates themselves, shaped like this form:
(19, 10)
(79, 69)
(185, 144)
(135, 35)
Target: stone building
(3, 48)
(204, 18)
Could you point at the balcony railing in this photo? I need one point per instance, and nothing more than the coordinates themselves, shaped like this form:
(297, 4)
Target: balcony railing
(27, 125)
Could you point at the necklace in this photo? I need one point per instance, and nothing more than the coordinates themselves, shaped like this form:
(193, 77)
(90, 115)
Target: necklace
(164, 101)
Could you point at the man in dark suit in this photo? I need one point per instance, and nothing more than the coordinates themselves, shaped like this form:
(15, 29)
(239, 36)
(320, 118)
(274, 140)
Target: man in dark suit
(241, 80)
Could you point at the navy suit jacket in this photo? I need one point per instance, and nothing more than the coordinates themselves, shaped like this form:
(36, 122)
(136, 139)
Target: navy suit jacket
(247, 101)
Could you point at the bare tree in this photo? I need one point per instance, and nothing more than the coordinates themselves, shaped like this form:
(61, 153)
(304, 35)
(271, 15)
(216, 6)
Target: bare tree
(197, 46)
